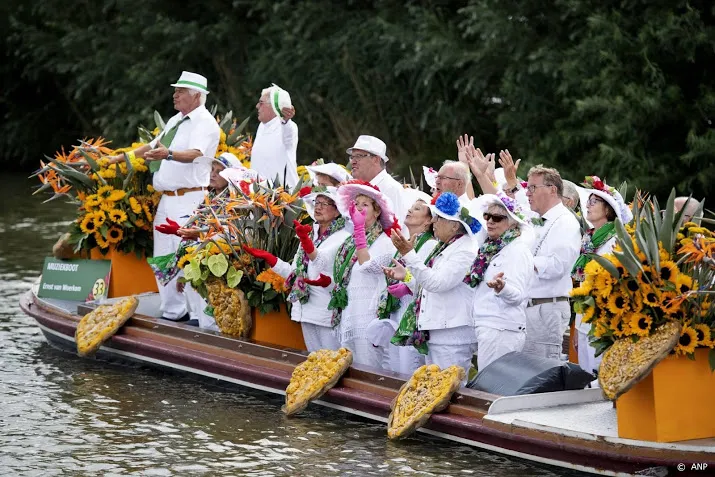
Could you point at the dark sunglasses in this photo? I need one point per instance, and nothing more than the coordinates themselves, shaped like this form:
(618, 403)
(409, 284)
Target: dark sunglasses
(493, 217)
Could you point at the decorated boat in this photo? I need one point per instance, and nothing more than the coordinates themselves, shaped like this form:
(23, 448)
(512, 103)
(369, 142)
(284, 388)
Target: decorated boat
(661, 422)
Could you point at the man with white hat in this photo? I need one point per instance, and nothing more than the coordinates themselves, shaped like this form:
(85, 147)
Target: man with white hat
(179, 158)
(274, 150)
(369, 161)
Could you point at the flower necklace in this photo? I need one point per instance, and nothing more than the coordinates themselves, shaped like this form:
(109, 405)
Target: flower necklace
(487, 252)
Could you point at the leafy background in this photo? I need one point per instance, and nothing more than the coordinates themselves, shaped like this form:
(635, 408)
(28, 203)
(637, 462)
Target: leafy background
(621, 89)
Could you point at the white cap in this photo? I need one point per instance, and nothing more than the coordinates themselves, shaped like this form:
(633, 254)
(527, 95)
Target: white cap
(278, 99)
(330, 169)
(228, 160)
(193, 81)
(372, 145)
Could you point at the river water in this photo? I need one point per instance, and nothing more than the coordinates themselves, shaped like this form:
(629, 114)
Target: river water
(62, 415)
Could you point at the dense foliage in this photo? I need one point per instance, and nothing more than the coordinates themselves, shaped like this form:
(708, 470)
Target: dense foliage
(621, 89)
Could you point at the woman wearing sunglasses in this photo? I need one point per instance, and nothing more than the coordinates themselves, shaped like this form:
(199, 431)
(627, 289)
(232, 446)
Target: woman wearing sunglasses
(501, 276)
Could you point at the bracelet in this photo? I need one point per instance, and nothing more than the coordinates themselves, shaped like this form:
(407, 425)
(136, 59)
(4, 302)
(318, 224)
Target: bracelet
(131, 156)
(170, 157)
(408, 277)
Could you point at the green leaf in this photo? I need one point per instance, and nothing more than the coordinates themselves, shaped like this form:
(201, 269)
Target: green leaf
(218, 264)
(607, 265)
(192, 270)
(204, 274)
(266, 287)
(92, 163)
(226, 121)
(130, 172)
(242, 127)
(159, 121)
(233, 277)
(666, 232)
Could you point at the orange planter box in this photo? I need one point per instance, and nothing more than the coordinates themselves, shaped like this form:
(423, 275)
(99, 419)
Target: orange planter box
(674, 403)
(130, 275)
(277, 328)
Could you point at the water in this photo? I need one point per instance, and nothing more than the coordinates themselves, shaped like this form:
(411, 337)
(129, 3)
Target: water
(62, 415)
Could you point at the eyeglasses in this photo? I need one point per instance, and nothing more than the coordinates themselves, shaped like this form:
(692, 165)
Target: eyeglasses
(441, 178)
(494, 217)
(355, 157)
(594, 200)
(532, 188)
(323, 203)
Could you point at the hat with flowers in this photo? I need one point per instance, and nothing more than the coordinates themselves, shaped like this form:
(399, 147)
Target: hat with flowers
(448, 207)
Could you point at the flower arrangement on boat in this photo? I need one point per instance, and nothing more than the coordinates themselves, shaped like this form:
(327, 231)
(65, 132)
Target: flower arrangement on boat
(660, 271)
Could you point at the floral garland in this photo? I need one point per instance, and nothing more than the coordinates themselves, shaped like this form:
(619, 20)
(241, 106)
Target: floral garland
(300, 292)
(342, 269)
(590, 243)
(512, 206)
(489, 249)
(408, 333)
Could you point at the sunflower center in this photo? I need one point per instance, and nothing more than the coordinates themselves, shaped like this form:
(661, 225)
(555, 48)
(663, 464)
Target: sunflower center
(685, 340)
(643, 324)
(114, 233)
(651, 297)
(665, 274)
(632, 285)
(620, 302)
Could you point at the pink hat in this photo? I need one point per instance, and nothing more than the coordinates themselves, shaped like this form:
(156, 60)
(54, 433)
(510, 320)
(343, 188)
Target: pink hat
(351, 189)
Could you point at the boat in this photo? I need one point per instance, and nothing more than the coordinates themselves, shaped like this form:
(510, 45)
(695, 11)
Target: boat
(574, 430)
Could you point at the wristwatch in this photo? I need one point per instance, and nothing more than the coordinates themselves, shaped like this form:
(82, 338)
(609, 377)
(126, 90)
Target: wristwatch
(170, 157)
(511, 191)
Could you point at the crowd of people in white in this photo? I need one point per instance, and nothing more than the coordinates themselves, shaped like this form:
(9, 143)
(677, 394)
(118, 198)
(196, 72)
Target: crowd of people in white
(399, 276)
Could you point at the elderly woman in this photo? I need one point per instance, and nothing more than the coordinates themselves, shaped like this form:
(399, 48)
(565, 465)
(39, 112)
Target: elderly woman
(329, 174)
(397, 297)
(438, 322)
(357, 269)
(603, 206)
(501, 276)
(309, 274)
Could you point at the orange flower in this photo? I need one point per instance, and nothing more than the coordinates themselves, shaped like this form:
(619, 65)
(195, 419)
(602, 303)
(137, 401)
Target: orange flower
(269, 276)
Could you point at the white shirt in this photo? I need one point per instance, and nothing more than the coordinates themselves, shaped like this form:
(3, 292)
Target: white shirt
(506, 310)
(557, 246)
(464, 199)
(446, 299)
(316, 311)
(200, 132)
(275, 150)
(395, 192)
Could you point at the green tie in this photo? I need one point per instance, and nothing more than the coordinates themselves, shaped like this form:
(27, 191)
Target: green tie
(166, 140)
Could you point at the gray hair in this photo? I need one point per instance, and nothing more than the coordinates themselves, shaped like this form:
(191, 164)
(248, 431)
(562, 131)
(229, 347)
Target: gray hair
(570, 192)
(202, 99)
(461, 169)
(512, 222)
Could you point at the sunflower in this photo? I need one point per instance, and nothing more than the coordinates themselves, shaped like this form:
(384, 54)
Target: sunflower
(139, 223)
(703, 333)
(147, 212)
(588, 314)
(632, 285)
(617, 304)
(183, 260)
(99, 218)
(687, 342)
(104, 192)
(640, 324)
(668, 303)
(150, 188)
(135, 205)
(600, 329)
(683, 283)
(635, 302)
(650, 296)
(114, 234)
(100, 240)
(583, 290)
(669, 271)
(647, 275)
(618, 327)
(603, 287)
(88, 225)
(117, 216)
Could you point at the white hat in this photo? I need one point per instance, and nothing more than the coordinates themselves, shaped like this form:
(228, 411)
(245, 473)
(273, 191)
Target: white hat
(228, 160)
(430, 176)
(329, 192)
(331, 169)
(370, 144)
(448, 207)
(594, 185)
(193, 81)
(513, 207)
(236, 175)
(411, 196)
(278, 98)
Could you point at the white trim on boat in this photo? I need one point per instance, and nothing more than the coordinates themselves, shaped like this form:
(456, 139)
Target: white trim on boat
(535, 401)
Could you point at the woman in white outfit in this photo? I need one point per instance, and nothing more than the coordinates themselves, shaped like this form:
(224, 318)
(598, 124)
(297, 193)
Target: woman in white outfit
(309, 275)
(501, 277)
(397, 297)
(603, 206)
(357, 270)
(438, 323)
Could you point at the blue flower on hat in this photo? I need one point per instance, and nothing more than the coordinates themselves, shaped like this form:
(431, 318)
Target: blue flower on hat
(448, 204)
(473, 223)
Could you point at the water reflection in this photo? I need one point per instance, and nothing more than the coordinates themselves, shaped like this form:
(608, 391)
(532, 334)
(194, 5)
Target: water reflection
(62, 415)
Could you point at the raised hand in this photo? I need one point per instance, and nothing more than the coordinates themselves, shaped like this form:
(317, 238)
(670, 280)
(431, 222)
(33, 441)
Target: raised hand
(396, 272)
(270, 259)
(189, 233)
(510, 167)
(464, 143)
(402, 244)
(357, 216)
(287, 113)
(169, 228)
(398, 290)
(491, 166)
(322, 281)
(303, 233)
(497, 283)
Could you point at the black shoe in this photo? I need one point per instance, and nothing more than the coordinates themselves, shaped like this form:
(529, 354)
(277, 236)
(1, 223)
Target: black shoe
(177, 320)
(193, 322)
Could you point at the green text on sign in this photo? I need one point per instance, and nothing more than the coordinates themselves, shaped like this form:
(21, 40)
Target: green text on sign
(76, 280)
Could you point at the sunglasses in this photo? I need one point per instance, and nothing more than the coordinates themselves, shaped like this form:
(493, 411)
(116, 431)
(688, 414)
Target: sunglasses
(494, 217)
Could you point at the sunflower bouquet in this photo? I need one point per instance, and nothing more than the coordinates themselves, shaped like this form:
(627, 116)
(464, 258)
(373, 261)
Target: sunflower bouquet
(261, 218)
(116, 201)
(660, 271)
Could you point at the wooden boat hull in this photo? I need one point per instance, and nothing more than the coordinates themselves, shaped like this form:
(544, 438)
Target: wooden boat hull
(368, 393)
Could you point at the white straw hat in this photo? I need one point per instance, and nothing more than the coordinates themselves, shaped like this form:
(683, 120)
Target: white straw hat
(370, 144)
(192, 81)
(331, 169)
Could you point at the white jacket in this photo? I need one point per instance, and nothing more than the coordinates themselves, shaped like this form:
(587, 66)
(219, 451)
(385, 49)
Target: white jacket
(505, 310)
(316, 311)
(446, 299)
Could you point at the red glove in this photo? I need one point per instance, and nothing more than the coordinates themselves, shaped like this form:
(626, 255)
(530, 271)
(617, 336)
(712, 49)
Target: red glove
(303, 232)
(322, 281)
(270, 259)
(169, 228)
(305, 191)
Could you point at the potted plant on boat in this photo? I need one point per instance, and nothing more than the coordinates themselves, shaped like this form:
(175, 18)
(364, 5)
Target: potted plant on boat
(649, 305)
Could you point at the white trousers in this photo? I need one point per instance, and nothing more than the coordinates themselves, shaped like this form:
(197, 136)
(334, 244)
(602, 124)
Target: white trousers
(492, 344)
(197, 305)
(545, 327)
(368, 355)
(178, 209)
(405, 359)
(319, 337)
(446, 355)
(587, 356)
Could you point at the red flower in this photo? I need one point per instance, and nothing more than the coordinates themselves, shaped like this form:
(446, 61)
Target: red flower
(598, 183)
(359, 182)
(524, 184)
(434, 199)
(305, 191)
(245, 187)
(395, 226)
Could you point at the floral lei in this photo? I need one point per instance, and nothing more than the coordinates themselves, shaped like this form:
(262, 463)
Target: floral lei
(342, 269)
(296, 280)
(408, 333)
(487, 252)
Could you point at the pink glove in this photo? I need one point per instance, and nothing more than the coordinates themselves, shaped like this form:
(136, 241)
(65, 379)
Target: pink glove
(398, 290)
(358, 218)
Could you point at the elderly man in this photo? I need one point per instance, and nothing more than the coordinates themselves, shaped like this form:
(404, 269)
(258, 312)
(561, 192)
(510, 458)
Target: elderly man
(454, 177)
(555, 251)
(179, 158)
(571, 197)
(275, 148)
(689, 206)
(368, 160)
